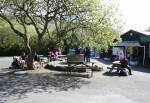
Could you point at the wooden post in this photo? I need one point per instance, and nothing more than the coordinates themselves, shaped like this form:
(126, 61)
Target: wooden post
(144, 56)
(125, 52)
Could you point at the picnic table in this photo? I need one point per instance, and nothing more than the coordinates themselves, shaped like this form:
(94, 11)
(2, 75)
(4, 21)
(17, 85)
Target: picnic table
(116, 65)
(62, 57)
(76, 62)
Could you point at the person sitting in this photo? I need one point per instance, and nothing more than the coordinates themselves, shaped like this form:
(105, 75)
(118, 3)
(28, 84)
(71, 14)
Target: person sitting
(51, 56)
(124, 64)
(56, 53)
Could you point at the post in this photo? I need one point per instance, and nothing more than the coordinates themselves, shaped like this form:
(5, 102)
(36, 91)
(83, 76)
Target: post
(125, 52)
(144, 55)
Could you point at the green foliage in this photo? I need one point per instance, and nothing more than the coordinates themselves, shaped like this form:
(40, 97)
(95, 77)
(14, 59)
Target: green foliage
(97, 25)
(10, 43)
(81, 23)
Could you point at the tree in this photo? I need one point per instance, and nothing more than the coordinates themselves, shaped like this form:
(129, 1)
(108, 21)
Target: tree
(69, 16)
(93, 24)
(36, 13)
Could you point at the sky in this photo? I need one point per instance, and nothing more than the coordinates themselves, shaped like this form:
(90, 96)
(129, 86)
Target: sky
(135, 14)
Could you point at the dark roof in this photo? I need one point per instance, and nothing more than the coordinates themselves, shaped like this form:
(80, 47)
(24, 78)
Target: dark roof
(137, 32)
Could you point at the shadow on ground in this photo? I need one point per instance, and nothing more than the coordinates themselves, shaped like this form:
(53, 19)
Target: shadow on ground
(18, 85)
(141, 69)
(113, 74)
(110, 74)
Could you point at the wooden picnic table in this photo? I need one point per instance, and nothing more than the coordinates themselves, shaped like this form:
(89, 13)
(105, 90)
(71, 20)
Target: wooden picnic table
(116, 65)
(76, 61)
(62, 56)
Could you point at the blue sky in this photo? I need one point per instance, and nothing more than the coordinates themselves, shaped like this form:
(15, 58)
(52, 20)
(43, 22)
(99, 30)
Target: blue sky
(135, 14)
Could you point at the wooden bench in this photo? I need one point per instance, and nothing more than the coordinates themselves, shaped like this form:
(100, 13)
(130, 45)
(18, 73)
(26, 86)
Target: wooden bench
(76, 63)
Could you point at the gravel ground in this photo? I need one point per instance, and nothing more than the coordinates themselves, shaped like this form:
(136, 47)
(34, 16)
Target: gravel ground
(56, 87)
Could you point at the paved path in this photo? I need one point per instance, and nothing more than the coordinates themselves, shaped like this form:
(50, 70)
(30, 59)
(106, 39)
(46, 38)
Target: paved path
(5, 63)
(56, 87)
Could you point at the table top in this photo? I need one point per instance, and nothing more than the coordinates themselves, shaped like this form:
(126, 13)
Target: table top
(41, 55)
(62, 56)
(116, 62)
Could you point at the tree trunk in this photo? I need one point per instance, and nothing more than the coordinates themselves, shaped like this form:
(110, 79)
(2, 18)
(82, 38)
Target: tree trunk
(30, 58)
(31, 53)
(30, 61)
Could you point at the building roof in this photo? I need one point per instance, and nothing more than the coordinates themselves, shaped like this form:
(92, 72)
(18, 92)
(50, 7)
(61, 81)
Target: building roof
(138, 32)
(129, 43)
(145, 33)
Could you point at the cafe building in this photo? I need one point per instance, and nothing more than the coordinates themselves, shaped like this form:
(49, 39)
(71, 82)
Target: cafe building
(135, 46)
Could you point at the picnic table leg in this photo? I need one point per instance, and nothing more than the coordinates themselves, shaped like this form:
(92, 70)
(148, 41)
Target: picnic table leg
(111, 69)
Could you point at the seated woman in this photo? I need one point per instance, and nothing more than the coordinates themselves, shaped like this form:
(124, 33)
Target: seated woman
(56, 54)
(53, 55)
